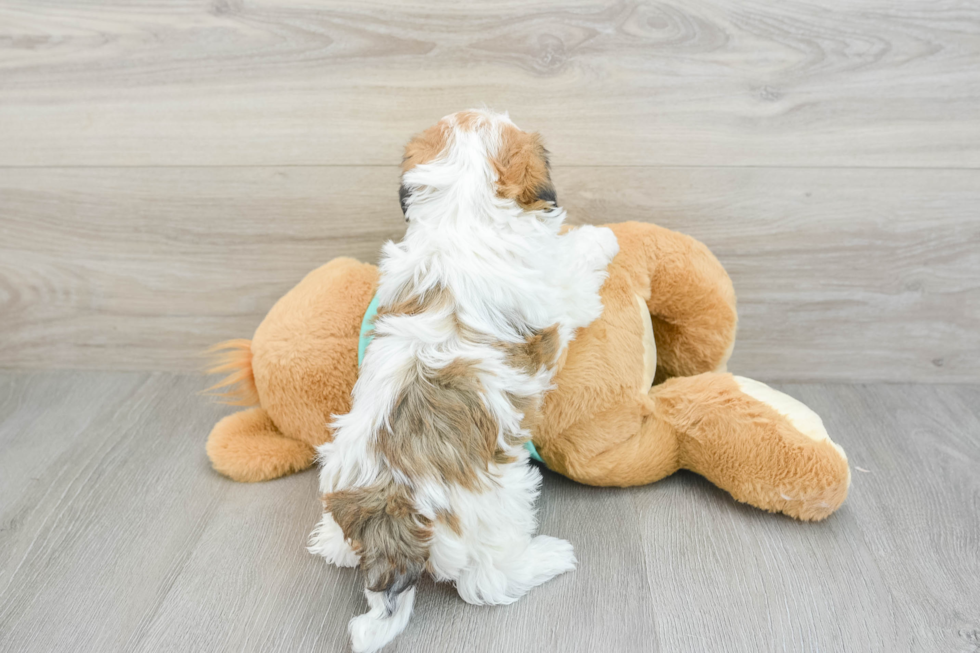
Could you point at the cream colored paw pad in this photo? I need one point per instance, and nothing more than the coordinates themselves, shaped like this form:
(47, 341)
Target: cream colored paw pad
(800, 416)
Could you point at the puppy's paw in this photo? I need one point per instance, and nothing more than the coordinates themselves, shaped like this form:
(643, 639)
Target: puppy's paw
(327, 540)
(596, 246)
(607, 243)
(552, 556)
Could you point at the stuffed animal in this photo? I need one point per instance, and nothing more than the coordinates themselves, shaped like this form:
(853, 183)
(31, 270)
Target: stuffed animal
(639, 393)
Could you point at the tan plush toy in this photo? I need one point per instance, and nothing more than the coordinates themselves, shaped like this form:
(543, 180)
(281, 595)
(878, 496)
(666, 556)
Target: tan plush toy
(640, 393)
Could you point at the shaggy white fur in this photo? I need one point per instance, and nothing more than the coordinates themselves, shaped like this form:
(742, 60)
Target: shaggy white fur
(510, 274)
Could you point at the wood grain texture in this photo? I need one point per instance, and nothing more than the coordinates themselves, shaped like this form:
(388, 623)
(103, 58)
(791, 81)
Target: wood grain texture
(115, 535)
(856, 275)
(285, 82)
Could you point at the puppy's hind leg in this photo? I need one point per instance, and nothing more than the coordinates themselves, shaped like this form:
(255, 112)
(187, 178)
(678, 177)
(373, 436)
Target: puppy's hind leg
(327, 540)
(503, 560)
(495, 578)
(544, 558)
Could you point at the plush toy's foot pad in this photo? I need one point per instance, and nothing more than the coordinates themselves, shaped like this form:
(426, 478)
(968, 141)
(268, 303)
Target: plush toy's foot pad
(247, 447)
(818, 477)
(799, 414)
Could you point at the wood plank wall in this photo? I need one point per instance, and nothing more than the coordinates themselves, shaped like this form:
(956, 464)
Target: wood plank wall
(168, 169)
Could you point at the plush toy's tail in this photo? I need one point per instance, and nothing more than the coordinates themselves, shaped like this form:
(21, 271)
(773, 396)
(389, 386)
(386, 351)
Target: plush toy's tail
(233, 357)
(247, 446)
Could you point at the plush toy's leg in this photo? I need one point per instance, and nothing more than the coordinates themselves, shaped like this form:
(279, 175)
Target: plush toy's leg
(305, 350)
(300, 367)
(247, 447)
(626, 444)
(762, 446)
(689, 294)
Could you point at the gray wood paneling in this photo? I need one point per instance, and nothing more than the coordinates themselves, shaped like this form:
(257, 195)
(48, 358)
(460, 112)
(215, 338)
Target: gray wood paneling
(273, 82)
(856, 274)
(116, 535)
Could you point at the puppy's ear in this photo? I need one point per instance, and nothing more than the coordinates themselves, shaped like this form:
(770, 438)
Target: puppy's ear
(523, 171)
(403, 194)
(548, 194)
(426, 147)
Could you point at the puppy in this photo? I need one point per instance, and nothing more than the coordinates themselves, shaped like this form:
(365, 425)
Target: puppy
(477, 305)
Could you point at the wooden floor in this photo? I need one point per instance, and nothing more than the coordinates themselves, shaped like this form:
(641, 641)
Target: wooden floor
(115, 535)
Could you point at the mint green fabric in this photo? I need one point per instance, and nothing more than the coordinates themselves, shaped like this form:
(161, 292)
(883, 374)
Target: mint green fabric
(533, 451)
(367, 334)
(367, 330)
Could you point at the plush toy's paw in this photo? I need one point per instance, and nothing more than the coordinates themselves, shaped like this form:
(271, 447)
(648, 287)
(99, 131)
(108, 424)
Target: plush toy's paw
(820, 484)
(762, 446)
(247, 447)
(327, 540)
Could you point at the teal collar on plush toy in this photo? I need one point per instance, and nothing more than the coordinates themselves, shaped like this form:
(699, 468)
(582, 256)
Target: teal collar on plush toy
(367, 334)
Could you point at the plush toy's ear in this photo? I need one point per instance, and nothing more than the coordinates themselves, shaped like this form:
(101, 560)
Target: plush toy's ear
(523, 171)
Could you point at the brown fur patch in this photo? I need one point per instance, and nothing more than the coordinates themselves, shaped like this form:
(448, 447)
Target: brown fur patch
(530, 408)
(468, 120)
(426, 147)
(522, 171)
(438, 299)
(410, 303)
(440, 427)
(382, 526)
(451, 520)
(539, 350)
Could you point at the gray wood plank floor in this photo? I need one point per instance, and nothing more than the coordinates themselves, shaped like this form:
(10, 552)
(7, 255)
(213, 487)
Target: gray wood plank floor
(115, 535)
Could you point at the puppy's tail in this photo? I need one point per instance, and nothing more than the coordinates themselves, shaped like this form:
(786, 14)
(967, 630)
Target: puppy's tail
(392, 539)
(235, 358)
(385, 620)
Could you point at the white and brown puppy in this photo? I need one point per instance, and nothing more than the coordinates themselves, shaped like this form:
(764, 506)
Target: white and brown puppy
(477, 305)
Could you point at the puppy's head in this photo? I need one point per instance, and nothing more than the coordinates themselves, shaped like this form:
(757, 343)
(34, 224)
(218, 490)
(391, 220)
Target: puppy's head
(477, 156)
